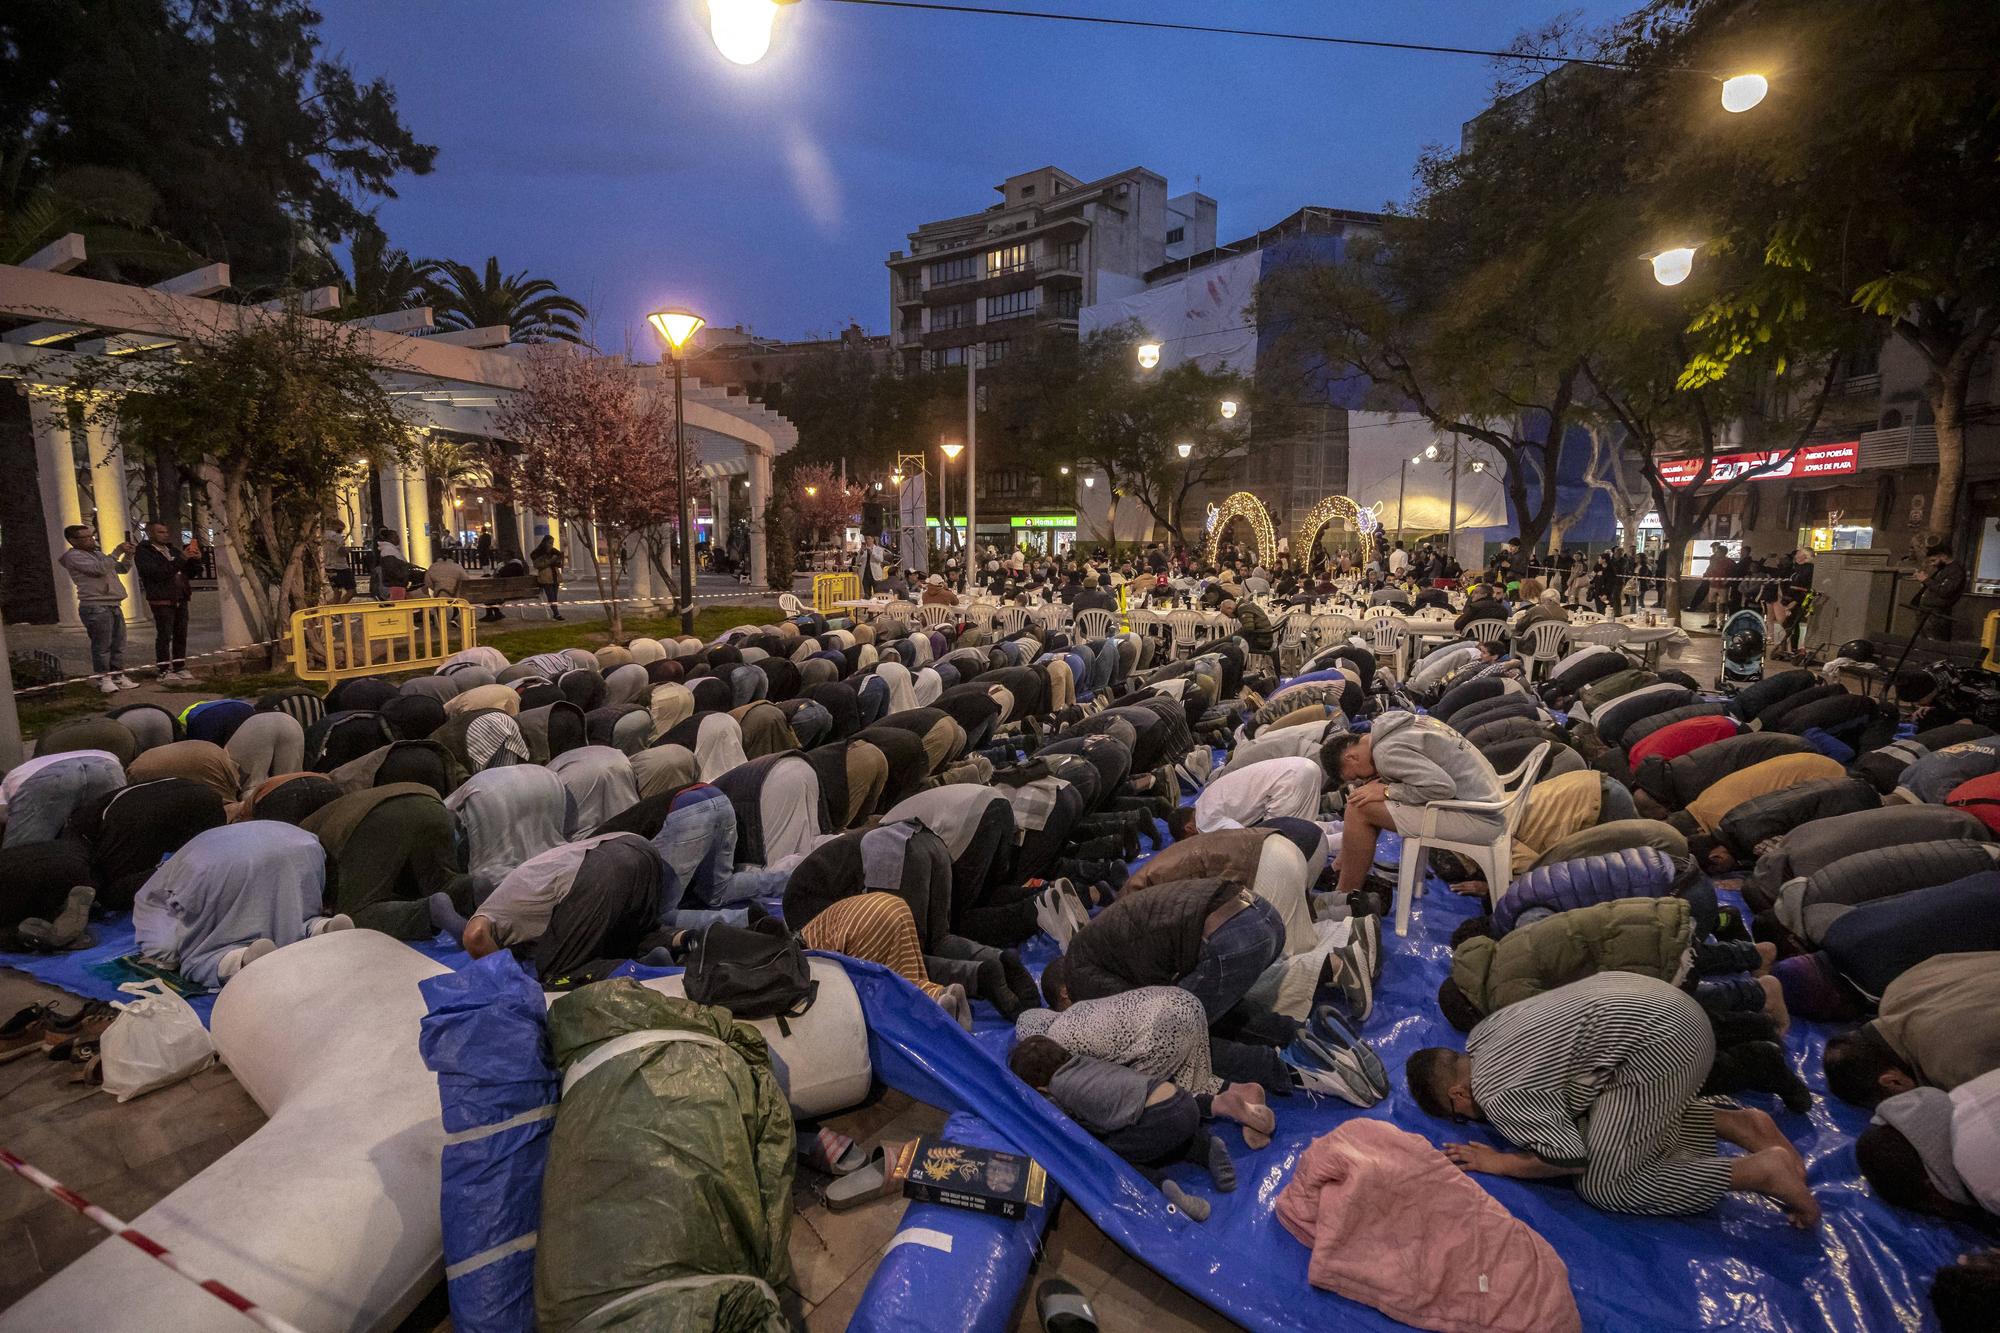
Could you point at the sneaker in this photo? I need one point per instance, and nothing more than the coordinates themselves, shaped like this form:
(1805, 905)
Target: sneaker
(1337, 1073)
(125, 682)
(22, 1033)
(1354, 974)
(1368, 929)
(184, 676)
(1355, 1060)
(68, 928)
(107, 685)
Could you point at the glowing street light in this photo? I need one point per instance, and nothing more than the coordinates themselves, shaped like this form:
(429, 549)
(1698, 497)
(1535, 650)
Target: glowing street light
(742, 28)
(1184, 449)
(1064, 469)
(812, 490)
(1149, 355)
(952, 449)
(1089, 482)
(1671, 267)
(676, 327)
(1743, 91)
(1228, 409)
(1431, 450)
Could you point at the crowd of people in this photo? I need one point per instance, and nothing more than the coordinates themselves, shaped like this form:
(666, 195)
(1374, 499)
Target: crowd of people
(1201, 842)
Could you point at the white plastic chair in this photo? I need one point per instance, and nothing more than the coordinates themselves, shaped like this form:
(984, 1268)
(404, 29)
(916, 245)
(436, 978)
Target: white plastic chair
(1487, 631)
(1377, 612)
(1187, 627)
(790, 604)
(1331, 627)
(1095, 622)
(1385, 637)
(1495, 858)
(1550, 639)
(1054, 616)
(1584, 616)
(1011, 620)
(934, 615)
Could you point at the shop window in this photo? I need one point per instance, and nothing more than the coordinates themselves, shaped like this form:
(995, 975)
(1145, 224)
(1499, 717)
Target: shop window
(1986, 569)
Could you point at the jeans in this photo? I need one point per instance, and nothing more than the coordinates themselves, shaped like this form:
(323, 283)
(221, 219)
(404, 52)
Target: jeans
(170, 634)
(1234, 957)
(697, 843)
(105, 623)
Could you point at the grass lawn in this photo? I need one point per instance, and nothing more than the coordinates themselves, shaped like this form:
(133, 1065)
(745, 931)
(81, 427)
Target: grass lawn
(40, 711)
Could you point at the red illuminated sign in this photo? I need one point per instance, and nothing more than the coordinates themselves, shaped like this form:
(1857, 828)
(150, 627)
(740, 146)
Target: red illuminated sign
(1815, 460)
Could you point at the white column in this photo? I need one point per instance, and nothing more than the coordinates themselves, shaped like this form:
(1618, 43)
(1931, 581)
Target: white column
(114, 510)
(416, 516)
(239, 613)
(55, 470)
(760, 493)
(719, 489)
(390, 480)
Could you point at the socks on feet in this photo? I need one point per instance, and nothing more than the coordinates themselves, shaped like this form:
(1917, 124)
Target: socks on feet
(1220, 1169)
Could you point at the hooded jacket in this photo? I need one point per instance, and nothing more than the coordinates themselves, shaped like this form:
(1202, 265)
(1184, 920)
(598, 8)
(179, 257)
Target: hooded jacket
(1423, 760)
(1563, 886)
(1647, 936)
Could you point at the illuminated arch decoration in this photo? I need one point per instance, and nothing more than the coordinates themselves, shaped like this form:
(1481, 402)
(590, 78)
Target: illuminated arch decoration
(1246, 506)
(1326, 511)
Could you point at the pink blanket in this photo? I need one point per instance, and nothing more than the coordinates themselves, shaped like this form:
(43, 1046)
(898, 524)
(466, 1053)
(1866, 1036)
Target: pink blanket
(1393, 1224)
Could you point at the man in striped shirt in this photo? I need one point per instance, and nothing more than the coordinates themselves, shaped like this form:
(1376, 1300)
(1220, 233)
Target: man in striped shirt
(1601, 1080)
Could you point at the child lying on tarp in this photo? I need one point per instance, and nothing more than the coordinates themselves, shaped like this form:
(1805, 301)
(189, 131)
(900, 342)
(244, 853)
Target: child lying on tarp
(1149, 1122)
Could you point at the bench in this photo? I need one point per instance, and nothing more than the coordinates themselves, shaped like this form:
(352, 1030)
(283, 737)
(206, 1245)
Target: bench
(491, 592)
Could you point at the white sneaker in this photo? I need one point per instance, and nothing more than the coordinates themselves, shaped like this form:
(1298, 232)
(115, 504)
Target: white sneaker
(107, 684)
(125, 682)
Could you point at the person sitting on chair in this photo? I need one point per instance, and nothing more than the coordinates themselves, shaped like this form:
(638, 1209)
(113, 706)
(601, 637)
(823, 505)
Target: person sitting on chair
(1404, 764)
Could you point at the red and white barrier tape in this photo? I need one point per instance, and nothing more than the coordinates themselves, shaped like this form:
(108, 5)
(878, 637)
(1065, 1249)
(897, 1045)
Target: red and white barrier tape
(147, 1245)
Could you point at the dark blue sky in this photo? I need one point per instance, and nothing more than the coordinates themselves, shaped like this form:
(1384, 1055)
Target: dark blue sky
(606, 144)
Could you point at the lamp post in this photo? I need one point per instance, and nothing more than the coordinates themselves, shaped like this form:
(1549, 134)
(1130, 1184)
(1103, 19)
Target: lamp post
(676, 327)
(951, 449)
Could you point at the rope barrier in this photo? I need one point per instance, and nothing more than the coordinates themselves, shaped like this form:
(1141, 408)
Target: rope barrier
(145, 1244)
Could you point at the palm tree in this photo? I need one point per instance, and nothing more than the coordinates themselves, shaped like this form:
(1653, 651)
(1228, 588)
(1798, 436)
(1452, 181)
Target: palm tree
(447, 465)
(112, 209)
(380, 278)
(531, 308)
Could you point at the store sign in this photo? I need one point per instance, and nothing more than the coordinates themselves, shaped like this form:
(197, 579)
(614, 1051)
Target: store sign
(1042, 521)
(1815, 460)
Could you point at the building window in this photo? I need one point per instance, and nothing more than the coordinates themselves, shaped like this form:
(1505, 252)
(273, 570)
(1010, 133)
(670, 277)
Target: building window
(1062, 305)
(952, 316)
(1027, 191)
(1011, 305)
(953, 270)
(947, 356)
(996, 351)
(1176, 236)
(912, 287)
(1069, 255)
(1007, 259)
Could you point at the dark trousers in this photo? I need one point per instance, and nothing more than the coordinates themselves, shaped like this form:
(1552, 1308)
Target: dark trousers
(1165, 1133)
(981, 908)
(611, 908)
(170, 634)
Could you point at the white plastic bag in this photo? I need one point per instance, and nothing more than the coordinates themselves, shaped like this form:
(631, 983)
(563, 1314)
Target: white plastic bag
(156, 1040)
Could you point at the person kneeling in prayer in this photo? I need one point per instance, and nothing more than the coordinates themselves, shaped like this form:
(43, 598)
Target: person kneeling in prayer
(1600, 1080)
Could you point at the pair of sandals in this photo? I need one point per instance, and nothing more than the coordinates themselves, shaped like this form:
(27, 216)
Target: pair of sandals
(860, 1175)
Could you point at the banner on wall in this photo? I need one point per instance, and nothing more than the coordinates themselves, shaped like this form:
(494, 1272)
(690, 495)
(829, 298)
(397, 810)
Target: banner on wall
(912, 506)
(1814, 460)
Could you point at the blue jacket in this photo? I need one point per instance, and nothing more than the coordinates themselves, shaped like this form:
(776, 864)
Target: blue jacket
(1637, 872)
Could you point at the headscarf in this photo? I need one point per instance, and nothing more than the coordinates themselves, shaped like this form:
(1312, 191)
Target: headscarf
(509, 815)
(200, 761)
(670, 704)
(659, 768)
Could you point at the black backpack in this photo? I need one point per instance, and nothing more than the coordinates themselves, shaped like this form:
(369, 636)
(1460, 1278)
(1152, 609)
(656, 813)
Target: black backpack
(754, 972)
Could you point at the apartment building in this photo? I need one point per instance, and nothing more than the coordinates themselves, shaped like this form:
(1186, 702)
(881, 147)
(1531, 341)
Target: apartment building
(1052, 245)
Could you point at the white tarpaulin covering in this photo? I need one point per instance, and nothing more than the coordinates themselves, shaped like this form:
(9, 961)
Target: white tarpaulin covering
(1200, 317)
(1380, 443)
(913, 544)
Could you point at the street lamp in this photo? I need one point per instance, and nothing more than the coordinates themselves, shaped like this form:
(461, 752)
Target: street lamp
(951, 449)
(1184, 449)
(1671, 267)
(1228, 409)
(1431, 450)
(742, 28)
(1064, 469)
(1149, 355)
(676, 327)
(1089, 482)
(1743, 91)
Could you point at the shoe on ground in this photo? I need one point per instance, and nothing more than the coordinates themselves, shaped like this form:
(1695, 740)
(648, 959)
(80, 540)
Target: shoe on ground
(1367, 928)
(22, 1033)
(1334, 1073)
(1359, 1067)
(1053, 917)
(107, 685)
(1355, 974)
(124, 682)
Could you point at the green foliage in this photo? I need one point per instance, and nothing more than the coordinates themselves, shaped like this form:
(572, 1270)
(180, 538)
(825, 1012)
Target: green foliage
(379, 278)
(781, 550)
(845, 406)
(280, 409)
(226, 110)
(112, 210)
(532, 308)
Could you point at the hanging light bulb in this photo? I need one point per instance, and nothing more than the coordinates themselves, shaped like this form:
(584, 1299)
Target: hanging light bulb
(1743, 91)
(1416, 459)
(1671, 267)
(1184, 448)
(742, 28)
(878, 485)
(1149, 355)
(1228, 408)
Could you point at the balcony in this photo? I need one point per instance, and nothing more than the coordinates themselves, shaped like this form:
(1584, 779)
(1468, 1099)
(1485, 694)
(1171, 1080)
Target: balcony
(1899, 446)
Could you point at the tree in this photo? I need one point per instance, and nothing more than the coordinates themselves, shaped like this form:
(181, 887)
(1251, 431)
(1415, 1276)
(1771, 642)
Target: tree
(447, 464)
(532, 309)
(1864, 182)
(593, 449)
(251, 141)
(819, 503)
(379, 279)
(274, 415)
(1612, 471)
(112, 210)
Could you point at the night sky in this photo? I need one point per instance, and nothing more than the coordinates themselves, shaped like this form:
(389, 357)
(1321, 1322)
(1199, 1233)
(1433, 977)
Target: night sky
(606, 144)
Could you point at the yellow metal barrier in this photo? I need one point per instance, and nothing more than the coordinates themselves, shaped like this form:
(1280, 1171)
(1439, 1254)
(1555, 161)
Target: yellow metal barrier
(831, 588)
(368, 638)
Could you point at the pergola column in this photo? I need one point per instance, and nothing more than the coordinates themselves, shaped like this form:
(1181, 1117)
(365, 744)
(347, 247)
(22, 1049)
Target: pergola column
(114, 511)
(389, 483)
(760, 494)
(416, 515)
(55, 471)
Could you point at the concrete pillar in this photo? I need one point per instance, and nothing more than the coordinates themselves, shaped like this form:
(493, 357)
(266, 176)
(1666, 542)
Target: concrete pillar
(239, 610)
(389, 479)
(416, 515)
(719, 489)
(760, 494)
(114, 511)
(55, 471)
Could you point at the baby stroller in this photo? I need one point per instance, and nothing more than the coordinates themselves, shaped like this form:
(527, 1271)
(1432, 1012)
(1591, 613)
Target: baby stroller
(1743, 640)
